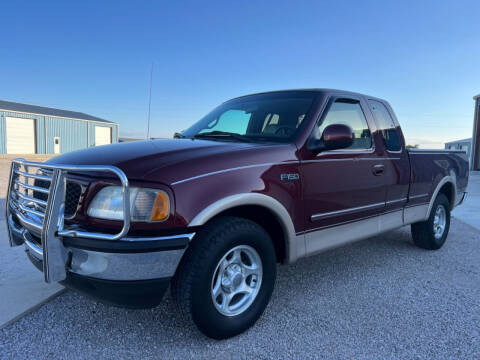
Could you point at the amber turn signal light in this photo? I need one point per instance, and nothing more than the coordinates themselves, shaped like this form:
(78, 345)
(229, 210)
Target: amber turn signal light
(160, 208)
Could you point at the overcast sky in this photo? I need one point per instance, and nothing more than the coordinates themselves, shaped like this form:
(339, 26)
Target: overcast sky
(95, 56)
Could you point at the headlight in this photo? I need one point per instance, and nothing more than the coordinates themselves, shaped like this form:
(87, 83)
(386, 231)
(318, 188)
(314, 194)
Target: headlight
(145, 204)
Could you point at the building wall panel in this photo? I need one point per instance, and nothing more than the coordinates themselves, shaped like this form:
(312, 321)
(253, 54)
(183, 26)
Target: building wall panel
(72, 134)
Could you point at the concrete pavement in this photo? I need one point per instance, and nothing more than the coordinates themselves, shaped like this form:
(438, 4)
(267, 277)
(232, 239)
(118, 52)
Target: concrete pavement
(22, 288)
(469, 211)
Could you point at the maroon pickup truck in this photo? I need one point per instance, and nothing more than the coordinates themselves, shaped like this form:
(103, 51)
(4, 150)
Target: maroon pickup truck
(263, 179)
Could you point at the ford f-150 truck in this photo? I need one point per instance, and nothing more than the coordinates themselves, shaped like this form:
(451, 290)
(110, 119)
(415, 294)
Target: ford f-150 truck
(263, 179)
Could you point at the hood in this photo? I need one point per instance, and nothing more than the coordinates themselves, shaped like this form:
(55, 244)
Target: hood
(170, 160)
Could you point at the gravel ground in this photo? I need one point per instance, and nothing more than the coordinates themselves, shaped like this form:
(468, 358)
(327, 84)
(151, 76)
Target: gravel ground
(381, 298)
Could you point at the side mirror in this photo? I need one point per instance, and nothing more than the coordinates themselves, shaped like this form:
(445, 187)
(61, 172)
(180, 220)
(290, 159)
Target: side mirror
(336, 136)
(178, 135)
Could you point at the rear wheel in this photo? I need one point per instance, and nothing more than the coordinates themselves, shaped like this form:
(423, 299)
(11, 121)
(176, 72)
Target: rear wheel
(226, 277)
(432, 233)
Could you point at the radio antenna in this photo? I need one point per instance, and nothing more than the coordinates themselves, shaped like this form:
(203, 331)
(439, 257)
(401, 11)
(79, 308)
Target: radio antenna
(149, 102)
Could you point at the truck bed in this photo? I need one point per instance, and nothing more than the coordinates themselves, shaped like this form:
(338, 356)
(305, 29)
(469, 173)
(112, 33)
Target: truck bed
(430, 166)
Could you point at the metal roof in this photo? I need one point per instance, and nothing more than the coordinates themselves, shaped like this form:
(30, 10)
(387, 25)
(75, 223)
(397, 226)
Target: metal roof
(459, 141)
(41, 110)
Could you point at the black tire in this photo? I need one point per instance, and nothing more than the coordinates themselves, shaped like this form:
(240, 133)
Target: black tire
(192, 285)
(423, 233)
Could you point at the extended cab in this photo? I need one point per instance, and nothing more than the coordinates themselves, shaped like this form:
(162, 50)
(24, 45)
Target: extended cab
(263, 179)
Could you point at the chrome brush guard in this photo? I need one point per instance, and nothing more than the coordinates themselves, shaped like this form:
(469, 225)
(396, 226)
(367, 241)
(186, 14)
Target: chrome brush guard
(34, 211)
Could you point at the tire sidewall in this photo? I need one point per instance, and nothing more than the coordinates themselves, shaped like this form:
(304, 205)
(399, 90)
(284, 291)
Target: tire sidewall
(440, 200)
(204, 313)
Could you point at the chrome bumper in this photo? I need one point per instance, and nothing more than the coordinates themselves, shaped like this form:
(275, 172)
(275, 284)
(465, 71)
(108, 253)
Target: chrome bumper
(124, 266)
(32, 226)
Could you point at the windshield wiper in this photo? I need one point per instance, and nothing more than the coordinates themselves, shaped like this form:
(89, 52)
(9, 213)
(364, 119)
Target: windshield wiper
(222, 134)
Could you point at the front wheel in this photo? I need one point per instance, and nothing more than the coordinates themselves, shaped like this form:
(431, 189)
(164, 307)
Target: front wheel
(226, 278)
(432, 233)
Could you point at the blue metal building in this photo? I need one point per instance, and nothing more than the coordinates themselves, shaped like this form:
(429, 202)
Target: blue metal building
(464, 144)
(475, 158)
(30, 129)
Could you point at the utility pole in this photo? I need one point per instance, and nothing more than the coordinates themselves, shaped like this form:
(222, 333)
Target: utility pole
(149, 102)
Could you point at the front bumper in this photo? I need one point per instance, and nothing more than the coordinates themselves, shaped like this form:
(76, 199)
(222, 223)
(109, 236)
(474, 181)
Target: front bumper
(129, 272)
(100, 264)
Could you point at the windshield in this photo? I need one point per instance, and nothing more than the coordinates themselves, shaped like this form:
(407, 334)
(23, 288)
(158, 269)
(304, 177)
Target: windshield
(264, 117)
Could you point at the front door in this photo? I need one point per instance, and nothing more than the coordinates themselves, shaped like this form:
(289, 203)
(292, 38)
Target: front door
(56, 145)
(343, 186)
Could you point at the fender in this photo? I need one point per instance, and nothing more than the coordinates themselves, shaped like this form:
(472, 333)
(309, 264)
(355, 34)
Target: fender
(295, 244)
(452, 178)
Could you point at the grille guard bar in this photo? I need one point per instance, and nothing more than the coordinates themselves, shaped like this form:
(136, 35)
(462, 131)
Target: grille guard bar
(53, 228)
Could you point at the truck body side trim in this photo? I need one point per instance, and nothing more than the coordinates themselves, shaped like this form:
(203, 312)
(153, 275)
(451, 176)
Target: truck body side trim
(230, 169)
(335, 236)
(346, 211)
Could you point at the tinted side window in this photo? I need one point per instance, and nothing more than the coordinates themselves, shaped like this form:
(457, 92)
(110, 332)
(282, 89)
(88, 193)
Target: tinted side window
(386, 126)
(349, 112)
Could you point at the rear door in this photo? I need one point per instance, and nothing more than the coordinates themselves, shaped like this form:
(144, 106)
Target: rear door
(346, 185)
(397, 164)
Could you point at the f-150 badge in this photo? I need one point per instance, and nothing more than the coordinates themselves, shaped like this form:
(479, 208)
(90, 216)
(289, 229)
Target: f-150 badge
(289, 177)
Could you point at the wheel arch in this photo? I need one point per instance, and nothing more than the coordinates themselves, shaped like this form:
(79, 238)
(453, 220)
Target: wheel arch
(267, 212)
(446, 186)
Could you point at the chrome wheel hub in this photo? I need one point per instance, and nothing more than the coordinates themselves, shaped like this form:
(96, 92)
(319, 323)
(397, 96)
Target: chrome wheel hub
(237, 280)
(439, 221)
(232, 277)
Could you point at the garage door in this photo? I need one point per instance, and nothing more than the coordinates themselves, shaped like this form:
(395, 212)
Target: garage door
(20, 135)
(103, 135)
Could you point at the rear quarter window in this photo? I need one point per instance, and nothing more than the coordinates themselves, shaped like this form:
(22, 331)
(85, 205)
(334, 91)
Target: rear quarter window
(386, 125)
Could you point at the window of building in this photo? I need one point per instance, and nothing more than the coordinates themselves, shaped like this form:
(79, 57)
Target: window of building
(386, 125)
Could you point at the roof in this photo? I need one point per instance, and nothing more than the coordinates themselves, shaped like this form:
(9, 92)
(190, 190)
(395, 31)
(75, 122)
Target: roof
(313, 90)
(476, 97)
(41, 110)
(459, 141)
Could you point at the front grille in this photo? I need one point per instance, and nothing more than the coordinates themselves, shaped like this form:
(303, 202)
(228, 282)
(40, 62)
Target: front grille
(30, 191)
(43, 184)
(72, 198)
(72, 194)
